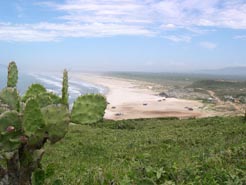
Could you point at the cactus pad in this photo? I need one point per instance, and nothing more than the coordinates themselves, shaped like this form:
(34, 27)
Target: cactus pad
(10, 131)
(9, 99)
(4, 107)
(33, 119)
(12, 75)
(56, 119)
(88, 109)
(47, 98)
(33, 91)
(65, 88)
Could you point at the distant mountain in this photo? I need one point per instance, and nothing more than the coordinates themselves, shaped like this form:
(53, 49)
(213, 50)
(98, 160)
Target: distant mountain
(232, 71)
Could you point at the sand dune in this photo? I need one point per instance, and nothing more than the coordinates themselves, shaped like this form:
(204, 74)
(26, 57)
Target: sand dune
(128, 101)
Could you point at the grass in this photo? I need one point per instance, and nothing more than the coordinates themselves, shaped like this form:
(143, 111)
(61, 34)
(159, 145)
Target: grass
(151, 151)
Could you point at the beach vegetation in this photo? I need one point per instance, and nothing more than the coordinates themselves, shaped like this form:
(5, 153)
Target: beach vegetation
(151, 151)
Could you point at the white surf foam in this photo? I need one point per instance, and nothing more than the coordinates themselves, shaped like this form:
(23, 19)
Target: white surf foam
(76, 88)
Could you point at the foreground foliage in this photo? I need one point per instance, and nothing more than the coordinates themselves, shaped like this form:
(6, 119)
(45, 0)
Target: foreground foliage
(27, 123)
(151, 151)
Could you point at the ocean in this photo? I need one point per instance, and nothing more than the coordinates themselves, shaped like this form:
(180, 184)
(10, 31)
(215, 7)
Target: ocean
(53, 83)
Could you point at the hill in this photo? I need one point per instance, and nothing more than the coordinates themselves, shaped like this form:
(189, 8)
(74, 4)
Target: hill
(231, 71)
(151, 151)
(224, 88)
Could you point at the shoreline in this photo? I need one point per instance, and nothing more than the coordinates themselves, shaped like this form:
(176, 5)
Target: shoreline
(131, 99)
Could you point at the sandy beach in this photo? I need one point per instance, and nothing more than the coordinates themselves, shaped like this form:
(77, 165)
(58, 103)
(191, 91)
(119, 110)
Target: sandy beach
(130, 99)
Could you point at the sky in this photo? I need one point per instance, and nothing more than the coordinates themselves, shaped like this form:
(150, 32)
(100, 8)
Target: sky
(123, 35)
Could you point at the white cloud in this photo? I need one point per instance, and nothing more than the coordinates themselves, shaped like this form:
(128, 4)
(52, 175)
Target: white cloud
(208, 45)
(54, 31)
(124, 11)
(168, 26)
(93, 18)
(178, 38)
(215, 13)
(175, 13)
(10, 32)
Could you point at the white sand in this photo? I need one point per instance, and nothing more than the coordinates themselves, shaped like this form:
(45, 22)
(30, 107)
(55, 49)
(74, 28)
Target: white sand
(126, 100)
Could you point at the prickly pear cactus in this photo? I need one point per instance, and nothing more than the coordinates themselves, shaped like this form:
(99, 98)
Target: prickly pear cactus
(10, 98)
(65, 88)
(47, 98)
(33, 119)
(26, 124)
(10, 131)
(41, 95)
(3, 107)
(33, 91)
(12, 75)
(88, 109)
(56, 118)
(24, 131)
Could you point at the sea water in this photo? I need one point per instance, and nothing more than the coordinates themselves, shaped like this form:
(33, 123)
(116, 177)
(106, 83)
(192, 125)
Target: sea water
(53, 83)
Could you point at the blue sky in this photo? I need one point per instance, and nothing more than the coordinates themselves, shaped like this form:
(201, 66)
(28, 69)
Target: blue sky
(123, 35)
